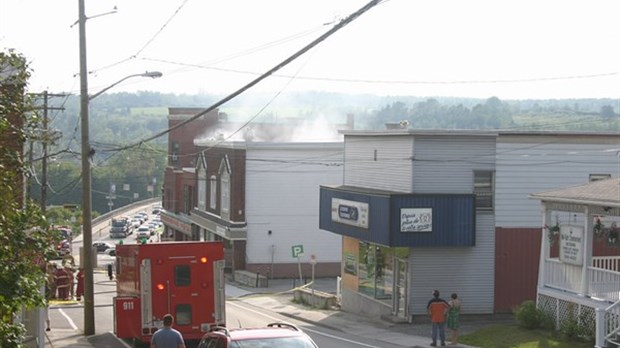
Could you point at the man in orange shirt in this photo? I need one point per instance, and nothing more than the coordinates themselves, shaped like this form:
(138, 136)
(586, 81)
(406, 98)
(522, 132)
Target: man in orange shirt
(437, 309)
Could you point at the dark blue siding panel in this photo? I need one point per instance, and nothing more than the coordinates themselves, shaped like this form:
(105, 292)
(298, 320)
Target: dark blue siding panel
(379, 205)
(453, 222)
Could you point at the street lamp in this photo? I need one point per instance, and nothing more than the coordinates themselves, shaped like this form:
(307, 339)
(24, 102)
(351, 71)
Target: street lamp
(87, 152)
(151, 74)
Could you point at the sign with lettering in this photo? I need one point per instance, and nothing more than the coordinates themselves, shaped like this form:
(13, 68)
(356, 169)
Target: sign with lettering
(350, 212)
(297, 250)
(571, 244)
(416, 220)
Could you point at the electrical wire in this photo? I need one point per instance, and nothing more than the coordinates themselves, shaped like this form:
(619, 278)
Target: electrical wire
(397, 82)
(288, 60)
(146, 44)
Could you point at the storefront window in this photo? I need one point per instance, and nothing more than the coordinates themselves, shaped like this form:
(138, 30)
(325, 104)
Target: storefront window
(376, 270)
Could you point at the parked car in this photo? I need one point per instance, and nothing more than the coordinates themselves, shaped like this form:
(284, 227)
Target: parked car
(274, 335)
(102, 246)
(111, 251)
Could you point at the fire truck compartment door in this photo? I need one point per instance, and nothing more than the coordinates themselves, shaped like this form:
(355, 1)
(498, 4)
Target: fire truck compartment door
(146, 293)
(126, 317)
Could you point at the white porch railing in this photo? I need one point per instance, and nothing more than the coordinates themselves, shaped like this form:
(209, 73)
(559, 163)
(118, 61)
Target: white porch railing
(611, 263)
(562, 276)
(608, 325)
(603, 276)
(603, 285)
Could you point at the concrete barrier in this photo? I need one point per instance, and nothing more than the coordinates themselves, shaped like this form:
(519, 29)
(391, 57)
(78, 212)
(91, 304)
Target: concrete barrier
(315, 298)
(251, 279)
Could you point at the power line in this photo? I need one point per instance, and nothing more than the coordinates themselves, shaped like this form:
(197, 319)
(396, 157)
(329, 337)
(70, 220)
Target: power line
(147, 43)
(288, 60)
(398, 82)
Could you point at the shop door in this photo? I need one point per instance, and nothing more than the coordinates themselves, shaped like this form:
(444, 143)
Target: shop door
(400, 298)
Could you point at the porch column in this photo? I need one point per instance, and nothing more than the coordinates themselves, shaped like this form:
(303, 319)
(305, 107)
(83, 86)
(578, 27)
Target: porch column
(587, 252)
(544, 245)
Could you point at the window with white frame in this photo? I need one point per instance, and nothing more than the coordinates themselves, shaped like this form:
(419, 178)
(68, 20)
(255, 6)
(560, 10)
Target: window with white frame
(225, 191)
(484, 189)
(213, 193)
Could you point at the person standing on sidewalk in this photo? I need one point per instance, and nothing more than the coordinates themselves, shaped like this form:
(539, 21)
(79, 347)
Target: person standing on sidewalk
(437, 309)
(167, 337)
(453, 318)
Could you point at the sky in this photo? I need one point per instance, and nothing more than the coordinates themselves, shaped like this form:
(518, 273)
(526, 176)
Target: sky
(512, 49)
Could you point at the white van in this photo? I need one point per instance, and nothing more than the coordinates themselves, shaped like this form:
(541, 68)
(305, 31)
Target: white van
(143, 232)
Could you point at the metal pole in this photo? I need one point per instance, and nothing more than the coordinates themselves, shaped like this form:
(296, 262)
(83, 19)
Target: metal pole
(46, 138)
(86, 258)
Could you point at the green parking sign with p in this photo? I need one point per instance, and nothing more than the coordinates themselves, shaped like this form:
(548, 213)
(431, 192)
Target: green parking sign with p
(297, 250)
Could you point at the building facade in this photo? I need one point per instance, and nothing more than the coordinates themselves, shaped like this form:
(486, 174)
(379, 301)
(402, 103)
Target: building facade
(261, 199)
(450, 210)
(258, 195)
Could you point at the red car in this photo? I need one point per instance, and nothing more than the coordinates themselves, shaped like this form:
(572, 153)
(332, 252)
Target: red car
(274, 335)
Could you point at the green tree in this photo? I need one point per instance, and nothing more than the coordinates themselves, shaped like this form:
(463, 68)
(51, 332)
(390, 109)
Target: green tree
(24, 241)
(607, 111)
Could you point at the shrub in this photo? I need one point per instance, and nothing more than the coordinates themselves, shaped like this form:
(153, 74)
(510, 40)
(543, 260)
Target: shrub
(528, 316)
(577, 328)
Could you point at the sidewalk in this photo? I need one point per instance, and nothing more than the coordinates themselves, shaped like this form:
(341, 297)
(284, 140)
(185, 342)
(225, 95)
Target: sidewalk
(278, 298)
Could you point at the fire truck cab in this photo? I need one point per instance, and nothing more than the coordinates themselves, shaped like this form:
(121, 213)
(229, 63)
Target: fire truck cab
(185, 279)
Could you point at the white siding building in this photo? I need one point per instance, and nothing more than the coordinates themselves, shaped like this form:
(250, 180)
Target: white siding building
(474, 255)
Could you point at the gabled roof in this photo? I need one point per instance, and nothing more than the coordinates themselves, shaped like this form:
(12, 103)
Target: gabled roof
(605, 193)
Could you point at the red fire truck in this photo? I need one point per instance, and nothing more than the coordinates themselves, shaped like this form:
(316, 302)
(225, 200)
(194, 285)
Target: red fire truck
(185, 279)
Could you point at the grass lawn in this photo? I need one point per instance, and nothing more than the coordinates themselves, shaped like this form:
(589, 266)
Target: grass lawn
(513, 336)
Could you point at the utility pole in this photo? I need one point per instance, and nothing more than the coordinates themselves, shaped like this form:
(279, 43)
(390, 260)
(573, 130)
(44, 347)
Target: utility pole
(44, 163)
(45, 137)
(87, 228)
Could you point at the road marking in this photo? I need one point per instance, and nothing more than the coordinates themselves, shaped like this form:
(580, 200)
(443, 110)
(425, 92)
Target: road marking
(68, 319)
(306, 329)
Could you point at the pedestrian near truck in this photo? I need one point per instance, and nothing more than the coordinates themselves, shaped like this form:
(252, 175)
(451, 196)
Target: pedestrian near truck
(437, 309)
(167, 337)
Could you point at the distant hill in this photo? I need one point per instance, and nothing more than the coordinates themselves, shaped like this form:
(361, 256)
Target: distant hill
(120, 119)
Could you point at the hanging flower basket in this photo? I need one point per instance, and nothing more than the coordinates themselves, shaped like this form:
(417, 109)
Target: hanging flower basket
(607, 234)
(553, 232)
(612, 235)
(599, 229)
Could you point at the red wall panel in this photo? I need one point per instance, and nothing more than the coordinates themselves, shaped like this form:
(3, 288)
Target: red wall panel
(517, 252)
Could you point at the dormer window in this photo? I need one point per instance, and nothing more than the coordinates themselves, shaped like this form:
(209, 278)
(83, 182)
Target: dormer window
(202, 187)
(225, 192)
(213, 193)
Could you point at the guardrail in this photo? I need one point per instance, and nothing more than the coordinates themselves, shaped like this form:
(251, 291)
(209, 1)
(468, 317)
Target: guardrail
(125, 208)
